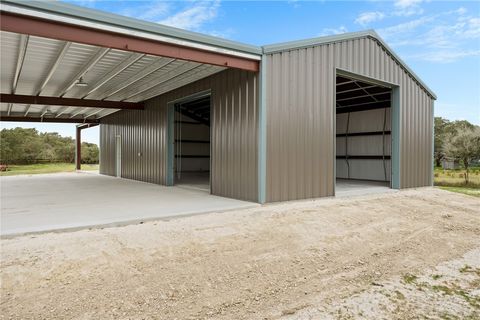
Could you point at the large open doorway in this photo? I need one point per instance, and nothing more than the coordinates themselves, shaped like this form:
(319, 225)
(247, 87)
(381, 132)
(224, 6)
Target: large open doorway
(191, 165)
(363, 135)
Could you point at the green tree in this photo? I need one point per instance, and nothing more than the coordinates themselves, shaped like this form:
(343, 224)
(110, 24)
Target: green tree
(19, 145)
(89, 153)
(463, 145)
(444, 129)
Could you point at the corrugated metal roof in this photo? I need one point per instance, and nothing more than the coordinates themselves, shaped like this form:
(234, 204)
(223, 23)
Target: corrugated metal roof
(111, 74)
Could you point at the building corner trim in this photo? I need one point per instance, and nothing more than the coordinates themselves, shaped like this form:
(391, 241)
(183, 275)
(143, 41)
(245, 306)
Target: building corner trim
(262, 131)
(396, 183)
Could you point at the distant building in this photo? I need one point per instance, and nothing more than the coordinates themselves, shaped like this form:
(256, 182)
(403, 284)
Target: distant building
(450, 164)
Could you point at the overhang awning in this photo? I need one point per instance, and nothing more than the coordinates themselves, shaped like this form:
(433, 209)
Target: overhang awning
(57, 69)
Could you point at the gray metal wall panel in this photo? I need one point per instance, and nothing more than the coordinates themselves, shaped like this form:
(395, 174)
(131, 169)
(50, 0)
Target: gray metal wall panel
(301, 123)
(234, 131)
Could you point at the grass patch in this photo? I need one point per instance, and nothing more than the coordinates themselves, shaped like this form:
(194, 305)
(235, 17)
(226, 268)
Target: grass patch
(45, 168)
(455, 178)
(475, 192)
(399, 295)
(436, 276)
(409, 278)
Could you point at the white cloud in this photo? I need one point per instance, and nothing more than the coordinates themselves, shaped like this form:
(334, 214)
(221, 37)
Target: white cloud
(443, 37)
(461, 10)
(407, 7)
(193, 17)
(330, 31)
(445, 56)
(150, 11)
(366, 18)
(405, 27)
(226, 33)
(407, 3)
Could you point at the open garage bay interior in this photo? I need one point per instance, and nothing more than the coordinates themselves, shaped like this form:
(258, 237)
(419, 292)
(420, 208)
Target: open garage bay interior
(192, 142)
(363, 134)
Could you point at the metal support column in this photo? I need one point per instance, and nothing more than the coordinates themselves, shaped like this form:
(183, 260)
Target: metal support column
(78, 148)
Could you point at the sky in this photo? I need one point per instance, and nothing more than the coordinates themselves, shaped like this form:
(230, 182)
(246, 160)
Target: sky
(439, 40)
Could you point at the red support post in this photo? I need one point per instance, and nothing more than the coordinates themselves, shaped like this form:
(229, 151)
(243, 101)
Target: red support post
(78, 148)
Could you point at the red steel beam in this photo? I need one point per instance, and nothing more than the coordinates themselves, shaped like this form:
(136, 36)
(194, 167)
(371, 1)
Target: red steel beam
(70, 102)
(53, 120)
(67, 32)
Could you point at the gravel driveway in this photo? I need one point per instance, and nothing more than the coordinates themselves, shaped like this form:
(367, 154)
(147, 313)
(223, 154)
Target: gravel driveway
(395, 255)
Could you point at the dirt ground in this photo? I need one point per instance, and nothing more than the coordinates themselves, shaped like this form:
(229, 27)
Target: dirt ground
(403, 255)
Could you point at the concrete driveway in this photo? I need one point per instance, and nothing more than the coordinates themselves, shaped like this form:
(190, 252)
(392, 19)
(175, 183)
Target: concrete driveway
(64, 201)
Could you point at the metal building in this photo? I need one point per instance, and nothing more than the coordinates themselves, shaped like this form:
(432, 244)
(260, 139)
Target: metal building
(273, 123)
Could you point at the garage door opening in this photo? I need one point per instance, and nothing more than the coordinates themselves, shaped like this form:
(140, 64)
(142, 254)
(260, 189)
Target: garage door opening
(363, 135)
(192, 143)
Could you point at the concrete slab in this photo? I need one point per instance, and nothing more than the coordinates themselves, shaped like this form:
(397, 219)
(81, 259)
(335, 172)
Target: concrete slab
(350, 188)
(68, 201)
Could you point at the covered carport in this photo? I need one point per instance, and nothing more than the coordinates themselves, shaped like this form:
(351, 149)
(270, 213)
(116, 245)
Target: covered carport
(65, 64)
(60, 67)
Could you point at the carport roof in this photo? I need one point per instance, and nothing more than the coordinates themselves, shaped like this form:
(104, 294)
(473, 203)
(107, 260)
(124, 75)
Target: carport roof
(63, 63)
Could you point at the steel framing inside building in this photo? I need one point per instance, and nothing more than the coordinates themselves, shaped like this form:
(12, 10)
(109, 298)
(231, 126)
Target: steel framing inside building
(285, 121)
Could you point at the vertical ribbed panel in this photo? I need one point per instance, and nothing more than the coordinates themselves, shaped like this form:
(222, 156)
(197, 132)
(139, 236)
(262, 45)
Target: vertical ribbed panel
(300, 117)
(233, 135)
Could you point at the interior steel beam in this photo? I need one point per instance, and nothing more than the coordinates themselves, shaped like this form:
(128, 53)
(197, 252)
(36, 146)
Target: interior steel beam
(54, 66)
(67, 32)
(187, 67)
(93, 113)
(79, 111)
(346, 82)
(363, 103)
(71, 102)
(62, 111)
(356, 89)
(371, 96)
(364, 96)
(115, 71)
(54, 120)
(85, 68)
(28, 110)
(22, 51)
(137, 77)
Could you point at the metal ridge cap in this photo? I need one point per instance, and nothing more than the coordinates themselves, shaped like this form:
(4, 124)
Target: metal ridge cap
(297, 44)
(102, 17)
